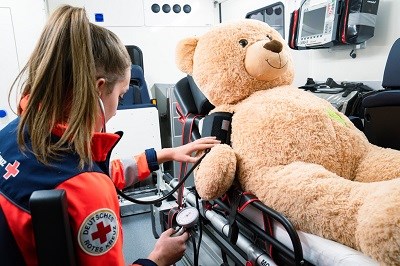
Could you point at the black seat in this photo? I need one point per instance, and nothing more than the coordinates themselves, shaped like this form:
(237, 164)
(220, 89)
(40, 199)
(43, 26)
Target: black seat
(137, 95)
(192, 107)
(51, 228)
(382, 109)
(51, 225)
(136, 55)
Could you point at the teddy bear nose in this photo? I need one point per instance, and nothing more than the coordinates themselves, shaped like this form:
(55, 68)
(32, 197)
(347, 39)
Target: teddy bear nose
(273, 46)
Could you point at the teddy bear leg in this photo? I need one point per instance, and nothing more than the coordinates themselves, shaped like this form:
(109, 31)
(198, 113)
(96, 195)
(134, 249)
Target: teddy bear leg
(364, 216)
(378, 164)
(378, 229)
(313, 198)
(216, 172)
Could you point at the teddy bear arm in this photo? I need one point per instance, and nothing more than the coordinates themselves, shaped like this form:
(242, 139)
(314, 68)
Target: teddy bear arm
(216, 172)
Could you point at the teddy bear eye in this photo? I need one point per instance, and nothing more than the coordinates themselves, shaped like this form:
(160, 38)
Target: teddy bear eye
(243, 42)
(269, 37)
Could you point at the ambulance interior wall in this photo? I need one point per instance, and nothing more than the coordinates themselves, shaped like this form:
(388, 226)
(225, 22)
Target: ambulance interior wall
(158, 33)
(20, 25)
(336, 62)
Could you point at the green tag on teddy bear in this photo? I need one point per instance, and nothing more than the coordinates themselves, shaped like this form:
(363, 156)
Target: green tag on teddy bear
(332, 114)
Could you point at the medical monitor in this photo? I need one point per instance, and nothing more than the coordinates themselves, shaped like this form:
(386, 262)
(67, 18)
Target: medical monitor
(317, 23)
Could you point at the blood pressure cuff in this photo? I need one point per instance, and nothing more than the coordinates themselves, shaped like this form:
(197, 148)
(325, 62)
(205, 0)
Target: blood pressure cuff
(218, 124)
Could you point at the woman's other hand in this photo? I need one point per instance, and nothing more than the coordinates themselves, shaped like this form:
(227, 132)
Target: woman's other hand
(184, 153)
(169, 249)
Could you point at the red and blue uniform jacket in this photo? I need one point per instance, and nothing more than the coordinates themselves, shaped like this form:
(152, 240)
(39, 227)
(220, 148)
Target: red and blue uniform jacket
(93, 204)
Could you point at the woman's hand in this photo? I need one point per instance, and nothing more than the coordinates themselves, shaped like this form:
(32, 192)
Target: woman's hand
(184, 153)
(169, 249)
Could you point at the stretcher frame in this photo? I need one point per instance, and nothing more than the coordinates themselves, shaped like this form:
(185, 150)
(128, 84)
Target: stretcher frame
(290, 247)
(216, 226)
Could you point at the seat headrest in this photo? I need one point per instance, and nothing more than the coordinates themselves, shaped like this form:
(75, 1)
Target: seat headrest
(135, 54)
(203, 105)
(137, 95)
(391, 77)
(190, 98)
(138, 75)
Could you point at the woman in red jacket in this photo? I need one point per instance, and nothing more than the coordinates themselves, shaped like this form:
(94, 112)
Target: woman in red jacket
(75, 76)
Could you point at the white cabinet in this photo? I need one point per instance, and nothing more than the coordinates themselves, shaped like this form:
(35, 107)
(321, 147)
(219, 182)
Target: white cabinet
(8, 57)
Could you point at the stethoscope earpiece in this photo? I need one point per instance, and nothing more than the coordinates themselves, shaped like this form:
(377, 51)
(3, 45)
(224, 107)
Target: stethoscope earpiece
(103, 113)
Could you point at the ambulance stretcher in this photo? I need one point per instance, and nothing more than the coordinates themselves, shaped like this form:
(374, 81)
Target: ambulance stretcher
(289, 247)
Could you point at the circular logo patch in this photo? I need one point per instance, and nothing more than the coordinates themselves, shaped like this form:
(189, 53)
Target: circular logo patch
(98, 232)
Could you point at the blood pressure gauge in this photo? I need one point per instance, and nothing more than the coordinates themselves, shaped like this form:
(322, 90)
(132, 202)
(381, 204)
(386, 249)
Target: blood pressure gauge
(186, 218)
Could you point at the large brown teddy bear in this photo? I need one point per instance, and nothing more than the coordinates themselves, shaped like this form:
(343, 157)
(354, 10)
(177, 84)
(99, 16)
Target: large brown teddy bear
(293, 150)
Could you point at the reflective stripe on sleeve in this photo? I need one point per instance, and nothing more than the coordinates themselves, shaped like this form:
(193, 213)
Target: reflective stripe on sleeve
(117, 173)
(143, 170)
(127, 172)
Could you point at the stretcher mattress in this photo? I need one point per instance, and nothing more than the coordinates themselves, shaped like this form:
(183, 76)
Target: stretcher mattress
(323, 252)
(316, 250)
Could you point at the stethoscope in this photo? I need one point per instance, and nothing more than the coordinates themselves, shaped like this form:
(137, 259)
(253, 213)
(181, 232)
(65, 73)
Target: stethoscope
(103, 115)
(187, 217)
(160, 199)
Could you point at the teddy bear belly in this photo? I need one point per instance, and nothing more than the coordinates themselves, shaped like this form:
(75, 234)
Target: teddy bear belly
(269, 134)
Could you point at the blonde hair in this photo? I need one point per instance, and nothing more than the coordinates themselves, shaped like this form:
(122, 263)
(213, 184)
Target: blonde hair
(61, 83)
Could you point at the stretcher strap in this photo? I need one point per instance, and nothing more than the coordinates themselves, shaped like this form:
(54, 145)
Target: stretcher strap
(248, 198)
(238, 202)
(235, 197)
(172, 216)
(187, 128)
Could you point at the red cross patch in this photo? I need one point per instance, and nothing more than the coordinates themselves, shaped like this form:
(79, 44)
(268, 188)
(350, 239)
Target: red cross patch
(99, 232)
(11, 170)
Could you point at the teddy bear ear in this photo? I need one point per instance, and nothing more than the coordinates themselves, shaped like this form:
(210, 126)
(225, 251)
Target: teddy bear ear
(184, 54)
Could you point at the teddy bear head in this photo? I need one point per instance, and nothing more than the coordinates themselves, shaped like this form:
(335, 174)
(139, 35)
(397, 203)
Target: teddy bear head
(233, 60)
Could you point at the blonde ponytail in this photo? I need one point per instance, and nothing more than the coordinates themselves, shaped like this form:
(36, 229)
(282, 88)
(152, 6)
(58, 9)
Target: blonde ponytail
(61, 83)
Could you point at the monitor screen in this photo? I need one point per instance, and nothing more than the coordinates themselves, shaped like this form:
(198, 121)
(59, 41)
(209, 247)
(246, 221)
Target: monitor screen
(313, 22)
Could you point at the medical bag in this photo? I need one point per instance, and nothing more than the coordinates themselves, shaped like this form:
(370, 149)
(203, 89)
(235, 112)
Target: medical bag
(325, 23)
(346, 97)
